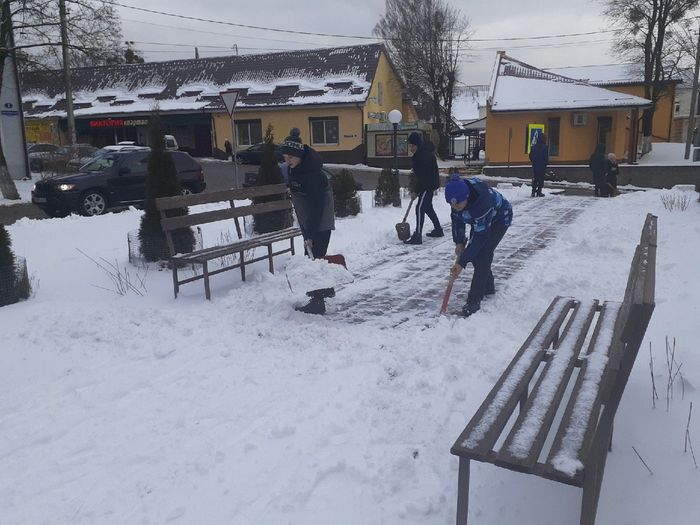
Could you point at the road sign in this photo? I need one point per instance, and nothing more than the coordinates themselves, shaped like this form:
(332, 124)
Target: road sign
(230, 96)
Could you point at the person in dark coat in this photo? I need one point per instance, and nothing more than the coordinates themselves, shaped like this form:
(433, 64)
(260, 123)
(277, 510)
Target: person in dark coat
(599, 166)
(427, 181)
(229, 149)
(611, 174)
(539, 157)
(312, 196)
(489, 214)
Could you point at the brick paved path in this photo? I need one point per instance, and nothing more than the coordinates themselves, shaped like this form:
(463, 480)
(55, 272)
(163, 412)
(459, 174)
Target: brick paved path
(407, 282)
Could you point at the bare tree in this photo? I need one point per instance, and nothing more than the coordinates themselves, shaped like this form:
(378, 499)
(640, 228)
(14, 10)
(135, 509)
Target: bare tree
(94, 31)
(644, 35)
(424, 39)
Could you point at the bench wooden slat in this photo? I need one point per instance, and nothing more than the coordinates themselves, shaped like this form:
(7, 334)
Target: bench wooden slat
(183, 221)
(482, 432)
(182, 201)
(524, 443)
(243, 245)
(580, 418)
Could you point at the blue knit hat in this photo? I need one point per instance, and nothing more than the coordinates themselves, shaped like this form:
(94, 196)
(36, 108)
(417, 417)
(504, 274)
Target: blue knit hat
(456, 190)
(293, 145)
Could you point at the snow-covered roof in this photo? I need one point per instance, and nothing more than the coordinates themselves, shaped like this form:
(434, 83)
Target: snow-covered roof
(608, 75)
(341, 75)
(517, 86)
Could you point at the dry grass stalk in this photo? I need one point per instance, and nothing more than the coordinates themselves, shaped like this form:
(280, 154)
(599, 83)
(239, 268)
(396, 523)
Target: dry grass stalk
(645, 463)
(654, 393)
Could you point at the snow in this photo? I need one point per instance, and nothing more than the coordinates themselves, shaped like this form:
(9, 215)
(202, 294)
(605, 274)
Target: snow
(606, 74)
(516, 86)
(145, 409)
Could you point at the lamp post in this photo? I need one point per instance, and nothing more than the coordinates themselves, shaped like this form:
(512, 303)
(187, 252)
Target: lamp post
(395, 118)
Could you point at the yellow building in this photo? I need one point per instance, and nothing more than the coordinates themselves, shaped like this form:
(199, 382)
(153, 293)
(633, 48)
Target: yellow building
(574, 115)
(330, 104)
(330, 94)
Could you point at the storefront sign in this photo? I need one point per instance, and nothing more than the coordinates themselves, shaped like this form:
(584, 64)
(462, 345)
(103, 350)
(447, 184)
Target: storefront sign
(117, 123)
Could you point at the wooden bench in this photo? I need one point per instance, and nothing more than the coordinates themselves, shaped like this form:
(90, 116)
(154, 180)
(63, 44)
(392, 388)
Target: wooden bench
(578, 425)
(203, 256)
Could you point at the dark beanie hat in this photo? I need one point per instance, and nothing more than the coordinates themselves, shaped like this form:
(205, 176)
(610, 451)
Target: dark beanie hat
(292, 145)
(456, 190)
(415, 138)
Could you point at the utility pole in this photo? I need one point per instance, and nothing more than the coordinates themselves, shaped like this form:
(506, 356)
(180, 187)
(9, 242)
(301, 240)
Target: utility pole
(66, 73)
(693, 101)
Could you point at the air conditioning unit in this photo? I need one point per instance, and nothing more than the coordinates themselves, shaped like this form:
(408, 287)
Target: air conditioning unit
(579, 119)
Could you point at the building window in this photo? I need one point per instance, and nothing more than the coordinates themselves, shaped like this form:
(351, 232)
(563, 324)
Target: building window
(324, 131)
(553, 139)
(678, 107)
(248, 132)
(380, 94)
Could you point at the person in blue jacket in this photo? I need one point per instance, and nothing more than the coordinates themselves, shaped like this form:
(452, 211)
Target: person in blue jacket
(539, 156)
(489, 214)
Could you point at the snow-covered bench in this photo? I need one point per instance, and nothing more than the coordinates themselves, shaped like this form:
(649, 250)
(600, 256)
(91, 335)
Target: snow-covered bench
(578, 357)
(204, 255)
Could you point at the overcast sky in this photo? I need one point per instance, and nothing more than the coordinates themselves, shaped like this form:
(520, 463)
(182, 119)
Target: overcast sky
(161, 37)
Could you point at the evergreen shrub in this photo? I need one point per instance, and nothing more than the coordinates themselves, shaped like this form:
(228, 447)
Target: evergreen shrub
(269, 173)
(161, 181)
(347, 201)
(388, 189)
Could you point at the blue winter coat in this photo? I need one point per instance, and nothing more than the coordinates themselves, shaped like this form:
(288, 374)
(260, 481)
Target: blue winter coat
(485, 208)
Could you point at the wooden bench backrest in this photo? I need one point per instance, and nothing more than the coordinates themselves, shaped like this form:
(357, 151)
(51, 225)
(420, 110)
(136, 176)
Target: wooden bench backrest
(165, 204)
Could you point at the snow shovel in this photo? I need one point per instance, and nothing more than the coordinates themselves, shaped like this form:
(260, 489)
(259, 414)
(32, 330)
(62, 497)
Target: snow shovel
(403, 228)
(448, 292)
(332, 259)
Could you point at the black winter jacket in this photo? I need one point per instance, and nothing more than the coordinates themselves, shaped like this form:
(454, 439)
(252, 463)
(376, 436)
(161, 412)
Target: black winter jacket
(308, 185)
(426, 169)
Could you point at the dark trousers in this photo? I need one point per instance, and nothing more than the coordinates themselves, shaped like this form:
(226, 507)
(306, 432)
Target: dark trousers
(425, 207)
(482, 281)
(537, 182)
(320, 243)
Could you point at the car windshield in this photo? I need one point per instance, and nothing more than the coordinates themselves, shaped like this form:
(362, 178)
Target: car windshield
(99, 163)
(65, 150)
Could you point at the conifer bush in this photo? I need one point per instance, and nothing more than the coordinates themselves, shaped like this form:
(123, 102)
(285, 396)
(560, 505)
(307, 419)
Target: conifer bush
(269, 173)
(14, 285)
(161, 181)
(347, 201)
(388, 189)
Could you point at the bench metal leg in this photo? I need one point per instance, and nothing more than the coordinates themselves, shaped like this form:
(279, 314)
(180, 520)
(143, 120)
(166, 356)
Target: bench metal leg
(269, 256)
(463, 492)
(242, 254)
(176, 284)
(207, 291)
(291, 244)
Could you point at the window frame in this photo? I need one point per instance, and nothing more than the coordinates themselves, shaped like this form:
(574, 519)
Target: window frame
(249, 135)
(553, 137)
(324, 120)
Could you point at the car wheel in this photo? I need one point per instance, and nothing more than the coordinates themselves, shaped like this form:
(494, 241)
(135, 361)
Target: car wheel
(92, 203)
(239, 160)
(186, 190)
(35, 167)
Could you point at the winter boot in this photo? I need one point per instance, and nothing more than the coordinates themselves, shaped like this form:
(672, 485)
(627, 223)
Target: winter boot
(470, 308)
(415, 239)
(316, 306)
(437, 232)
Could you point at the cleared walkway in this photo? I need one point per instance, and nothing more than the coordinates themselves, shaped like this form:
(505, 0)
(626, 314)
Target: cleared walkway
(408, 282)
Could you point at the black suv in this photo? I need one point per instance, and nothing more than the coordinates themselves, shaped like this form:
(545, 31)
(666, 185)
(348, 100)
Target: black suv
(109, 181)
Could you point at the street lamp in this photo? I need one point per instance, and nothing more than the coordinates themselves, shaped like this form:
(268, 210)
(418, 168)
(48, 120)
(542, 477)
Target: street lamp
(395, 118)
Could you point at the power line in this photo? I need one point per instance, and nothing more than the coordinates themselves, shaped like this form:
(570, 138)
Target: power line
(332, 35)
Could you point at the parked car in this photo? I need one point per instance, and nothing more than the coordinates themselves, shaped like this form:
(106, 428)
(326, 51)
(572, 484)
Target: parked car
(41, 147)
(253, 154)
(58, 160)
(109, 181)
